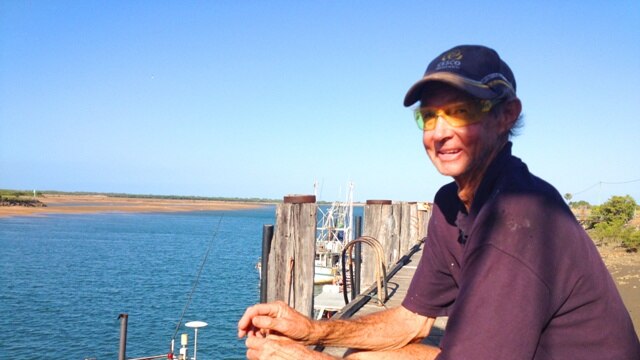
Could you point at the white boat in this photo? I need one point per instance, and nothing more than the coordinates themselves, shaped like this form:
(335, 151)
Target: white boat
(333, 232)
(326, 267)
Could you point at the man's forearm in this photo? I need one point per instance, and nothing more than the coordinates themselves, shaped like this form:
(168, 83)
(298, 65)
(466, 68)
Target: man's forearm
(411, 351)
(389, 329)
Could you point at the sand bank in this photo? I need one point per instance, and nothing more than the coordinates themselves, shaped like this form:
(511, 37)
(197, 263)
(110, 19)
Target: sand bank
(89, 204)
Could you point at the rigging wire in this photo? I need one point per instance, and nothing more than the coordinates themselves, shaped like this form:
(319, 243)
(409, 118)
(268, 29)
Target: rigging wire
(195, 284)
(606, 183)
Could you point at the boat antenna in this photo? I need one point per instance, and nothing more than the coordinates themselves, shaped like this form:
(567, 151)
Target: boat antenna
(195, 284)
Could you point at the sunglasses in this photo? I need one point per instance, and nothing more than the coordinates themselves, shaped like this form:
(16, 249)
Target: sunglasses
(457, 114)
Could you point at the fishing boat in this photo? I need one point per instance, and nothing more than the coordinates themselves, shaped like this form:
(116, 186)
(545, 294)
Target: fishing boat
(326, 267)
(333, 232)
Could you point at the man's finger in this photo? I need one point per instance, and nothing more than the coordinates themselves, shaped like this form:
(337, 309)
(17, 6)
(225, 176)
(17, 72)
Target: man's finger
(265, 322)
(245, 324)
(253, 342)
(254, 347)
(271, 310)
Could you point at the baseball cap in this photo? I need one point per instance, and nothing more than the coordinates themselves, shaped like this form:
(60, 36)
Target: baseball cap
(477, 70)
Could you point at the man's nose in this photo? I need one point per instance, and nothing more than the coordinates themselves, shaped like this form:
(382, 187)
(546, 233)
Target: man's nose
(442, 128)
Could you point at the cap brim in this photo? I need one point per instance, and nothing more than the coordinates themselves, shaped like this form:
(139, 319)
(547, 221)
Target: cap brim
(474, 88)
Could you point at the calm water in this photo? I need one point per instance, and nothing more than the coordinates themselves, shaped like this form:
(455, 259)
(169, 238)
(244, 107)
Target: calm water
(65, 278)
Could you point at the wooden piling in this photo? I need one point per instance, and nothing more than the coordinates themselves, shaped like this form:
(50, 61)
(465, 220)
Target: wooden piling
(414, 220)
(397, 227)
(380, 223)
(291, 259)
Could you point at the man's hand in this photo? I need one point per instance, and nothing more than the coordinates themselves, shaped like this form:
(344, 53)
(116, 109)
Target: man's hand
(275, 318)
(275, 347)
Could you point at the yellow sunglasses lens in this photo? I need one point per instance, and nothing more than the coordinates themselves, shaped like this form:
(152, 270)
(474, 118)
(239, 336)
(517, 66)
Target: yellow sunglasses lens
(456, 115)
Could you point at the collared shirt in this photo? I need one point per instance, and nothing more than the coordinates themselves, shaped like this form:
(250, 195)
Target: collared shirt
(517, 275)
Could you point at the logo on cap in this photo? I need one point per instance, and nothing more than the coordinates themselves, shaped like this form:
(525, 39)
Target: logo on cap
(452, 55)
(450, 60)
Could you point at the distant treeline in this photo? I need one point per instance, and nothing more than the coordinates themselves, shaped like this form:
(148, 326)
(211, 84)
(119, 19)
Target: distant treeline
(43, 193)
(162, 197)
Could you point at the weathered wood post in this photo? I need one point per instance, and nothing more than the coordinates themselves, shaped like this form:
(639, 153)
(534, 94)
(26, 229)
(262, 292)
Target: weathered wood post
(414, 219)
(408, 226)
(381, 221)
(424, 215)
(397, 227)
(291, 259)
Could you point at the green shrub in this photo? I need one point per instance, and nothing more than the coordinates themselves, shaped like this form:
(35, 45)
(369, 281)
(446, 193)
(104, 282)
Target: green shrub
(610, 222)
(617, 208)
(632, 241)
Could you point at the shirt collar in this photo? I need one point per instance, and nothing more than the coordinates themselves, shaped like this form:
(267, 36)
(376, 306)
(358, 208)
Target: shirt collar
(487, 186)
(464, 221)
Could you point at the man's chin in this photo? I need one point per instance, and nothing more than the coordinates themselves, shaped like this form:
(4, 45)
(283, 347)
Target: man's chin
(449, 170)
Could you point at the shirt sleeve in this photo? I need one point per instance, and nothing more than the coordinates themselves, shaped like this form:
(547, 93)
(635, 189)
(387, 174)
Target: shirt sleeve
(500, 310)
(433, 288)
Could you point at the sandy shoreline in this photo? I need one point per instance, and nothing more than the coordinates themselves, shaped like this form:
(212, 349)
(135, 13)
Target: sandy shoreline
(90, 204)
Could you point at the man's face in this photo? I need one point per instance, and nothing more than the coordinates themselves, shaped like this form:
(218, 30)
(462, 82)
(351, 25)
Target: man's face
(460, 152)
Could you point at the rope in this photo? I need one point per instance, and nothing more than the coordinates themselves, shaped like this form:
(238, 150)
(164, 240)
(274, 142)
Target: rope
(289, 281)
(195, 284)
(291, 277)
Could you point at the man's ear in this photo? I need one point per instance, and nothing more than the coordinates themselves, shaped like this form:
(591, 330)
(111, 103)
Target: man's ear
(509, 115)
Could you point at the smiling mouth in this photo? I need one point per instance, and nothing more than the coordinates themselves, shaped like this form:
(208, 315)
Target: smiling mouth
(448, 155)
(448, 152)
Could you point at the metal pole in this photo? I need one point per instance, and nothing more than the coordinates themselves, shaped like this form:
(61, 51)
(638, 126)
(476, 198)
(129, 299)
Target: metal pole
(195, 345)
(195, 325)
(122, 353)
(355, 287)
(267, 236)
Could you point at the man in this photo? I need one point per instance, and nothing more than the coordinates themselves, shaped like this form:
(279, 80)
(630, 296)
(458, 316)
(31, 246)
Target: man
(504, 258)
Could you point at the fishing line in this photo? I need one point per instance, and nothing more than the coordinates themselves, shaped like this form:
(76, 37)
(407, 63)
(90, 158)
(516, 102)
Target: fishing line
(195, 284)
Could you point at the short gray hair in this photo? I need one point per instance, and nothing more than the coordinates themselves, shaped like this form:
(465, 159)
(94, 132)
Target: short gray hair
(518, 124)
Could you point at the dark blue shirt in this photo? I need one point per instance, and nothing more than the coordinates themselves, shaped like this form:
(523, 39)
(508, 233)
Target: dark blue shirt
(517, 275)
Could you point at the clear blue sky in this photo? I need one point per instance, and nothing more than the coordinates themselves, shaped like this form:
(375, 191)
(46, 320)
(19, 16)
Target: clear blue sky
(262, 98)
